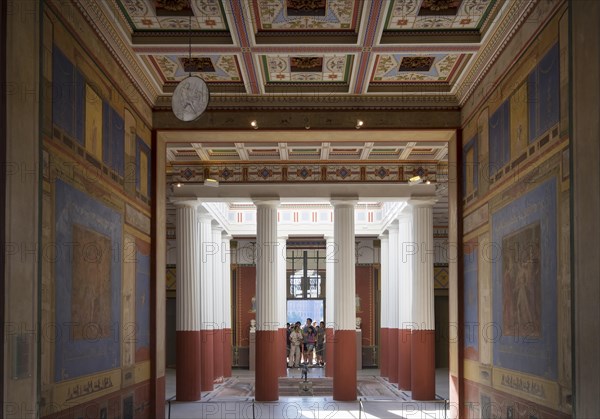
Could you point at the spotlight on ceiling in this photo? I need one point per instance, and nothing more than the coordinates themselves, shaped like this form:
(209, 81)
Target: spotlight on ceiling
(359, 123)
(211, 182)
(415, 180)
(179, 184)
(254, 124)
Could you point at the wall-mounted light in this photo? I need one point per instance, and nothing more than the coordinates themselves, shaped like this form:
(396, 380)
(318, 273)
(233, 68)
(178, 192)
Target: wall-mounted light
(359, 123)
(179, 184)
(415, 180)
(254, 124)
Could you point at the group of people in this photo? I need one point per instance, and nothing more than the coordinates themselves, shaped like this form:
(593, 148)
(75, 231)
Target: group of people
(306, 344)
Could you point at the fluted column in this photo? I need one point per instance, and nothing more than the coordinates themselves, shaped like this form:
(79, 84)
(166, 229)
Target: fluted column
(392, 297)
(218, 298)
(188, 318)
(384, 331)
(405, 274)
(282, 304)
(330, 262)
(227, 304)
(267, 309)
(344, 369)
(207, 300)
(423, 334)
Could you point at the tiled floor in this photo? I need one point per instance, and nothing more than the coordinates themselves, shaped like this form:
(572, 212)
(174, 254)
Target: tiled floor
(234, 399)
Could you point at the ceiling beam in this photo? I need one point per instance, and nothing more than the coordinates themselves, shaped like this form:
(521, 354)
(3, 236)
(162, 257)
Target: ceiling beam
(283, 151)
(325, 147)
(441, 153)
(407, 150)
(366, 151)
(201, 152)
(242, 151)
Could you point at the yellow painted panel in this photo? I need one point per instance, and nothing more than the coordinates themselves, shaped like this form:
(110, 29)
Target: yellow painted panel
(142, 371)
(144, 174)
(529, 387)
(93, 123)
(81, 390)
(469, 166)
(518, 121)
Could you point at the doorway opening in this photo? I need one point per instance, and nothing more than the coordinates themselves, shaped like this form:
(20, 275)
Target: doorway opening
(300, 310)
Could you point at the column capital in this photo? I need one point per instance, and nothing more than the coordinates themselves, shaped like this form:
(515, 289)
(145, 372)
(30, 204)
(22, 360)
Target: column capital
(384, 235)
(186, 202)
(266, 202)
(422, 201)
(225, 235)
(217, 227)
(204, 216)
(341, 201)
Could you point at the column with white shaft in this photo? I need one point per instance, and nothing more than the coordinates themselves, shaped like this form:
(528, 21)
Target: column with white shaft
(205, 256)
(344, 368)
(218, 312)
(384, 331)
(267, 309)
(227, 304)
(188, 339)
(282, 304)
(392, 297)
(331, 250)
(423, 333)
(406, 250)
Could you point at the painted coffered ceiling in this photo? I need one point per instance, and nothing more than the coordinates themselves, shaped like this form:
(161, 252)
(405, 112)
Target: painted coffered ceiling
(429, 51)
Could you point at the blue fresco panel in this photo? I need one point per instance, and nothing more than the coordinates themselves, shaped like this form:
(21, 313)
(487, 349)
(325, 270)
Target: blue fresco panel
(117, 142)
(79, 357)
(471, 304)
(549, 90)
(499, 137)
(62, 91)
(142, 301)
(527, 352)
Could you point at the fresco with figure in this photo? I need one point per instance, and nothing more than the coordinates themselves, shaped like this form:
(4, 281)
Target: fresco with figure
(521, 305)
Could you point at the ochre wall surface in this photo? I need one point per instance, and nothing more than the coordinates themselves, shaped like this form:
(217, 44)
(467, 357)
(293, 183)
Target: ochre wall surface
(96, 259)
(516, 302)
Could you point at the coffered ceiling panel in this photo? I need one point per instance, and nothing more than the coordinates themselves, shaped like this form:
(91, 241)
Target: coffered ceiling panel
(405, 15)
(306, 15)
(212, 68)
(394, 68)
(170, 15)
(306, 68)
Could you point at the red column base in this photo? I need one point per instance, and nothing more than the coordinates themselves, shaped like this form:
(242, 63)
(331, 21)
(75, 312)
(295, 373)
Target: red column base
(423, 365)
(207, 356)
(329, 352)
(383, 353)
(344, 369)
(282, 345)
(188, 370)
(218, 356)
(404, 362)
(266, 375)
(227, 359)
(393, 355)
